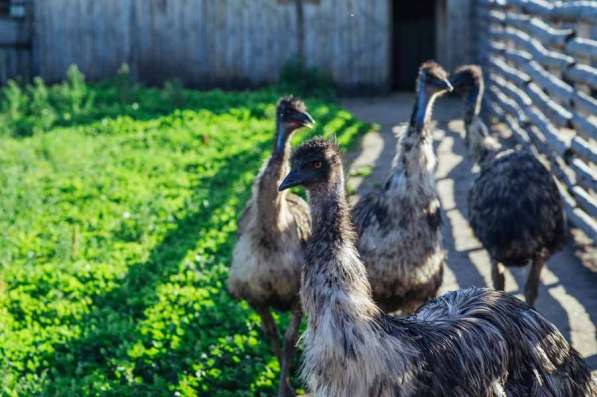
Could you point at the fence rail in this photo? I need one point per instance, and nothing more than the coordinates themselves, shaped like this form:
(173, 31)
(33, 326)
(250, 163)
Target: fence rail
(540, 61)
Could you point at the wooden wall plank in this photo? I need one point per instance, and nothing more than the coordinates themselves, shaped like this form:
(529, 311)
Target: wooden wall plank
(585, 201)
(546, 42)
(14, 33)
(77, 32)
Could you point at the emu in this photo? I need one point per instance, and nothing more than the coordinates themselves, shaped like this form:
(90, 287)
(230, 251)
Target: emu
(399, 226)
(473, 342)
(515, 208)
(272, 231)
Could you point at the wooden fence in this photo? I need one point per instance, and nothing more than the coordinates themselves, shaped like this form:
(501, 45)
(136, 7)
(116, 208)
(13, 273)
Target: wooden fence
(540, 58)
(207, 42)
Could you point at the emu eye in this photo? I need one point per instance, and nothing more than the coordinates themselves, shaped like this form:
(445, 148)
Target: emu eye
(317, 164)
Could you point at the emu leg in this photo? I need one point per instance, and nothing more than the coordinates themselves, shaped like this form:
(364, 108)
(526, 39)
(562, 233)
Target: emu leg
(497, 275)
(270, 330)
(290, 338)
(532, 285)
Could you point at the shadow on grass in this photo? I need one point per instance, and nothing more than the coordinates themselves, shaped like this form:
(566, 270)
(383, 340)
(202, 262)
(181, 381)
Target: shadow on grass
(108, 332)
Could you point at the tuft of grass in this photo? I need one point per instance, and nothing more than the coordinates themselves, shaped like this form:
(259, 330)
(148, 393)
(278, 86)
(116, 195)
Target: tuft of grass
(118, 209)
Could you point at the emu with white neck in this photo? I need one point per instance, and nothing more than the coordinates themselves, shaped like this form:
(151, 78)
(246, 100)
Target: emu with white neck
(399, 226)
(268, 254)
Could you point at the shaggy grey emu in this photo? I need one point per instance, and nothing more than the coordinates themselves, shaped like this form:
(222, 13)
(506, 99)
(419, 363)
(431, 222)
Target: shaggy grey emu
(515, 208)
(474, 342)
(399, 226)
(268, 255)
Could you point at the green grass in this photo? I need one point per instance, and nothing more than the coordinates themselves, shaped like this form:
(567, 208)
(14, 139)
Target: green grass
(118, 215)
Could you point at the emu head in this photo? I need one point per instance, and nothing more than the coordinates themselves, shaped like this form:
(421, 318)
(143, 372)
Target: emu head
(468, 82)
(466, 77)
(291, 114)
(316, 164)
(433, 79)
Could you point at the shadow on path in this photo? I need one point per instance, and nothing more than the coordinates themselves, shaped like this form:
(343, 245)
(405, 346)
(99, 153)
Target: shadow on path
(459, 261)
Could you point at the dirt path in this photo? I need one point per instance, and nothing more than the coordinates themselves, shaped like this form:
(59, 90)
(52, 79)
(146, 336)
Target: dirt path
(568, 294)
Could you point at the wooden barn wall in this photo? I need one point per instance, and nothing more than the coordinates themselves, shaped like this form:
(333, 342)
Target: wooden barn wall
(15, 63)
(352, 39)
(211, 42)
(95, 35)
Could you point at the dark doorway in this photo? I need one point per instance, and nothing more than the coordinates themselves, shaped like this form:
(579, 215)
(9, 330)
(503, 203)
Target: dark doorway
(413, 39)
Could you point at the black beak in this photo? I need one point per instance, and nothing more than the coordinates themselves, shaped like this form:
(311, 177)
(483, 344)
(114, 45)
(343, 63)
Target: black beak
(292, 179)
(304, 119)
(448, 86)
(455, 81)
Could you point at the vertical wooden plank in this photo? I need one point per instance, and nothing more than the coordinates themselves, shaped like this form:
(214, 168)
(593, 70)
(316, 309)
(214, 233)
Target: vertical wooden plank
(208, 42)
(258, 41)
(92, 35)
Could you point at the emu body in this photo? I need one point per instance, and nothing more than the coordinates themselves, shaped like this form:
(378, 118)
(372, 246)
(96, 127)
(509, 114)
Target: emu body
(269, 252)
(473, 342)
(515, 207)
(399, 226)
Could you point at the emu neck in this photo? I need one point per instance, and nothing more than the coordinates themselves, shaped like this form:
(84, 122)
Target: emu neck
(422, 110)
(472, 104)
(281, 147)
(330, 211)
(482, 147)
(487, 151)
(335, 285)
(412, 170)
(270, 202)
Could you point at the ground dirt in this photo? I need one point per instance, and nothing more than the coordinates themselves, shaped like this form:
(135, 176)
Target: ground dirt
(568, 292)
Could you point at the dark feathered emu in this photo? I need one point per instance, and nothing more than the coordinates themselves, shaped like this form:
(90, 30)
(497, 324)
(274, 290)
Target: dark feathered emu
(514, 205)
(474, 342)
(268, 254)
(399, 226)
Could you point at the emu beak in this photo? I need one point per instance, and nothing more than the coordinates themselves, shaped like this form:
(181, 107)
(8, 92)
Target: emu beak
(294, 178)
(304, 119)
(449, 86)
